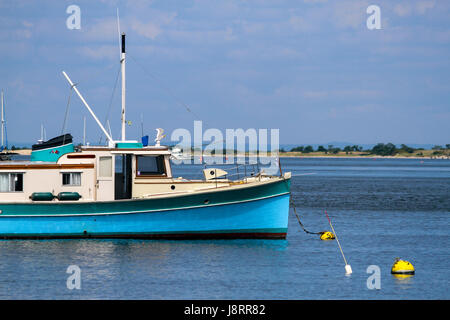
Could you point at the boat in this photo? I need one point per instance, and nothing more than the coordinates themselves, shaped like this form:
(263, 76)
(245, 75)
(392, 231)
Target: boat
(4, 153)
(49, 151)
(177, 154)
(127, 190)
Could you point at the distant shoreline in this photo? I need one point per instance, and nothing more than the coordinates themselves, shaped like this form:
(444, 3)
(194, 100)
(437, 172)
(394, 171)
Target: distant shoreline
(367, 157)
(23, 152)
(427, 154)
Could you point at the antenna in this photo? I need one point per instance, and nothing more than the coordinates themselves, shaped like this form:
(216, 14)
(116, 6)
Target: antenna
(122, 69)
(118, 32)
(84, 131)
(3, 124)
(3, 121)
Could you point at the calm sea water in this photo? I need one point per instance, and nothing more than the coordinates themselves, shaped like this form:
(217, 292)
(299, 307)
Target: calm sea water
(380, 208)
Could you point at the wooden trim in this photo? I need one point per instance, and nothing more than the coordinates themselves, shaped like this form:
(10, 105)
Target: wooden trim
(184, 182)
(160, 176)
(81, 156)
(125, 149)
(46, 166)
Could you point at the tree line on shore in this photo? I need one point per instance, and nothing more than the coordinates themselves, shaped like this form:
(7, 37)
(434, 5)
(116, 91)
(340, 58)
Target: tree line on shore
(388, 149)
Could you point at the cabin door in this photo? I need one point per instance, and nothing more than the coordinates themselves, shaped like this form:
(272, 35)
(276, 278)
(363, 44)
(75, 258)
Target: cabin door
(123, 177)
(105, 181)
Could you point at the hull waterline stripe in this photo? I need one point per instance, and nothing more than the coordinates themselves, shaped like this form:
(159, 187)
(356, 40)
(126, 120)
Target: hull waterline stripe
(178, 236)
(137, 211)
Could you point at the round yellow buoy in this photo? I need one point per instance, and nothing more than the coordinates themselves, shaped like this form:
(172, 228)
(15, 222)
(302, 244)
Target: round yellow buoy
(402, 267)
(327, 235)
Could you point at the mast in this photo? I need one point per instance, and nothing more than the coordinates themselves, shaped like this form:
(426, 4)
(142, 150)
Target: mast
(3, 122)
(122, 64)
(84, 131)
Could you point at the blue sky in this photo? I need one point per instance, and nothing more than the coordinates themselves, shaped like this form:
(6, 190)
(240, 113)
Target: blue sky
(311, 68)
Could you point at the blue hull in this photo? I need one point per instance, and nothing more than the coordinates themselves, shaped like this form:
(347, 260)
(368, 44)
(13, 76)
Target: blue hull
(259, 218)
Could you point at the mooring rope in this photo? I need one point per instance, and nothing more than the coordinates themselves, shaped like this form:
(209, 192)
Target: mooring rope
(298, 219)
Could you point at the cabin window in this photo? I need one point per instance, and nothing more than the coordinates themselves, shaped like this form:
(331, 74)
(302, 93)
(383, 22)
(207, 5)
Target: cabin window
(150, 166)
(105, 167)
(11, 182)
(71, 179)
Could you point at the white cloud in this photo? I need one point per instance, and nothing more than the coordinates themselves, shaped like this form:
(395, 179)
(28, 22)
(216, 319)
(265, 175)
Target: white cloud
(203, 36)
(148, 30)
(408, 8)
(100, 52)
(350, 14)
(423, 6)
(27, 24)
(299, 23)
(252, 27)
(403, 9)
(266, 53)
(354, 111)
(100, 30)
(153, 27)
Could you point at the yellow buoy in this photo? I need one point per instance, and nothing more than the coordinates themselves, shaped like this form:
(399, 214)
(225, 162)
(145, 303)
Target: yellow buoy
(327, 235)
(402, 267)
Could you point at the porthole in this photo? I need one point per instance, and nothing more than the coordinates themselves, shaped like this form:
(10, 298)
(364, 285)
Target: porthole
(172, 187)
